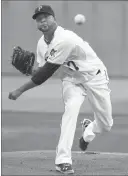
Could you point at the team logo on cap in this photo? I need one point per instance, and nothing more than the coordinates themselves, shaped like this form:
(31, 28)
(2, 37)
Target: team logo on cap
(39, 8)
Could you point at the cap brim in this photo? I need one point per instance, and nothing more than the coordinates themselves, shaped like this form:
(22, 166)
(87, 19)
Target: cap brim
(36, 14)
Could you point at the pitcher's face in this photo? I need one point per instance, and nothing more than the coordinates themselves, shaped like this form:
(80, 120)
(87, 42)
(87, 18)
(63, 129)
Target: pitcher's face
(44, 22)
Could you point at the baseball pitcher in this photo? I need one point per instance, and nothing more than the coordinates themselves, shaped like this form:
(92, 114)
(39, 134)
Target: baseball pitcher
(82, 73)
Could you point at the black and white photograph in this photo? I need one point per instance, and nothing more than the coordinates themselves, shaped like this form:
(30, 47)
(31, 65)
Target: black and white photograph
(64, 87)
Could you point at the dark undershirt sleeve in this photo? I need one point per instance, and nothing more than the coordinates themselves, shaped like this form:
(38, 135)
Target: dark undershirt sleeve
(44, 73)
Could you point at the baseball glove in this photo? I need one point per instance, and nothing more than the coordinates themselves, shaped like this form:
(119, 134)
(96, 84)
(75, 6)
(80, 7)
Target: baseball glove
(23, 60)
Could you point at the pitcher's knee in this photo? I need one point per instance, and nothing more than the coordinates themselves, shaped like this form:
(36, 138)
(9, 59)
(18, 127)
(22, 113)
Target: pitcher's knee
(74, 104)
(108, 127)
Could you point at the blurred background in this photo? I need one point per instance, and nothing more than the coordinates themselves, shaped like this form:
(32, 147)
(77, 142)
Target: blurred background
(106, 29)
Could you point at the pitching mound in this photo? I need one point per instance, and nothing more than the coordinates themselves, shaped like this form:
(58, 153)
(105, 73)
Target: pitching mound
(42, 163)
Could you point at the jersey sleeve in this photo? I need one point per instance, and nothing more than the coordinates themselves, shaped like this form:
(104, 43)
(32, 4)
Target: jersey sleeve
(60, 52)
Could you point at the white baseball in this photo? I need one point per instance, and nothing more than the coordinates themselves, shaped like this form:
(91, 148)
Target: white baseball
(79, 19)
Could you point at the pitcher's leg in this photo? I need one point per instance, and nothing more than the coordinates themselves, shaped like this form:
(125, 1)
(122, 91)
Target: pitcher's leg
(99, 98)
(73, 99)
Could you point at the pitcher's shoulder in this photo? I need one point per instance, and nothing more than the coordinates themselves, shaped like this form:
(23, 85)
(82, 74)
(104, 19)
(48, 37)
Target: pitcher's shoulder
(64, 38)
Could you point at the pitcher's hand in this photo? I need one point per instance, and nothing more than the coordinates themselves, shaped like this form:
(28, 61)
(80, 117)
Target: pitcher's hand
(14, 94)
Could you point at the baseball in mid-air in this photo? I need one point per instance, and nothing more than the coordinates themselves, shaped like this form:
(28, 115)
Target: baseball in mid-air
(79, 19)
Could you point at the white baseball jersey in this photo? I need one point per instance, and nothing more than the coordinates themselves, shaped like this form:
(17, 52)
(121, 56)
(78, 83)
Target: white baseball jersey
(79, 67)
(78, 60)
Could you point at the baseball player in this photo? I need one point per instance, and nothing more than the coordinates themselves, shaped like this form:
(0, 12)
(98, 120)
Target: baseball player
(82, 74)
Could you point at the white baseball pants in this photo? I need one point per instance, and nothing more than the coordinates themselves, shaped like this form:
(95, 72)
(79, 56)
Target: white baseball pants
(98, 95)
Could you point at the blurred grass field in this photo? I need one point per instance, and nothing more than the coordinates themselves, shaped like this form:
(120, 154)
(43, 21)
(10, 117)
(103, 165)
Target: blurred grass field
(48, 97)
(32, 123)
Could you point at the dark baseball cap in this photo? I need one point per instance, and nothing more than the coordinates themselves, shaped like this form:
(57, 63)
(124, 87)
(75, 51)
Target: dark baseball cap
(43, 9)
